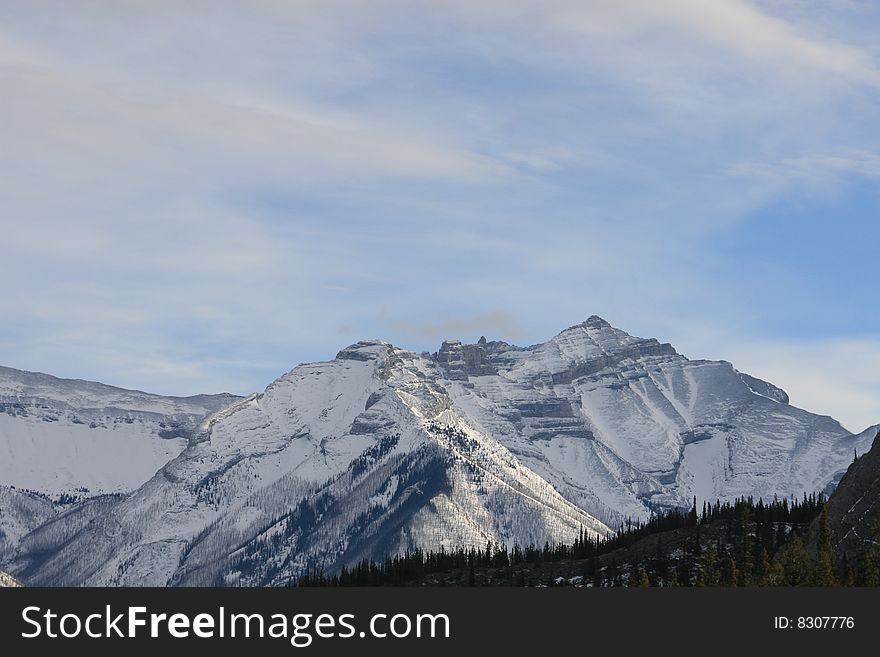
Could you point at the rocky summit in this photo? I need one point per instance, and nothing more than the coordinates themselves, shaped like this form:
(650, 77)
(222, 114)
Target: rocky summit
(383, 450)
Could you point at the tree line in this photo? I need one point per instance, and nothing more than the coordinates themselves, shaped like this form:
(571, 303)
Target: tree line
(746, 542)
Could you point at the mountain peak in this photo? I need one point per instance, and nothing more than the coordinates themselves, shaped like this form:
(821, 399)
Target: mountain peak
(594, 345)
(594, 321)
(593, 325)
(594, 330)
(476, 442)
(365, 350)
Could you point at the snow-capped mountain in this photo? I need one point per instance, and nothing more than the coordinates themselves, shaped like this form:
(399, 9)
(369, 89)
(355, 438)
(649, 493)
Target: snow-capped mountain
(622, 425)
(382, 450)
(360, 456)
(78, 438)
(64, 441)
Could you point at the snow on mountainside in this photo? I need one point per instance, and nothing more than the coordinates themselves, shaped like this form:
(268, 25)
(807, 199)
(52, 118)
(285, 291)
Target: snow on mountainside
(382, 450)
(854, 507)
(623, 425)
(20, 513)
(335, 461)
(78, 438)
(64, 441)
(7, 580)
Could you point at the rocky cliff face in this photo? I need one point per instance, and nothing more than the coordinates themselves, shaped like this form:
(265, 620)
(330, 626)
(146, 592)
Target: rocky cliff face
(382, 450)
(623, 425)
(334, 462)
(854, 507)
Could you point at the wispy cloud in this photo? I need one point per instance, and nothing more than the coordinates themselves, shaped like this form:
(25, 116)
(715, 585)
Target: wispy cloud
(737, 27)
(193, 192)
(82, 121)
(813, 167)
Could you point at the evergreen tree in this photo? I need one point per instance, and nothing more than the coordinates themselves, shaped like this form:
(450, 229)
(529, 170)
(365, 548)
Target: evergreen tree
(661, 563)
(776, 576)
(632, 579)
(744, 548)
(614, 573)
(708, 567)
(847, 575)
(763, 572)
(870, 570)
(869, 573)
(635, 575)
(682, 574)
(730, 576)
(745, 544)
(597, 577)
(795, 562)
(823, 570)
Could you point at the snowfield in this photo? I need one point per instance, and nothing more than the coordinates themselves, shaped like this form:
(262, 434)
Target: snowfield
(59, 436)
(383, 450)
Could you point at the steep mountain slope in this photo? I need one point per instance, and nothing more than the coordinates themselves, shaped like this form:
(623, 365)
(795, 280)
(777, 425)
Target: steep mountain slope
(65, 441)
(20, 513)
(382, 450)
(623, 425)
(854, 507)
(338, 460)
(78, 438)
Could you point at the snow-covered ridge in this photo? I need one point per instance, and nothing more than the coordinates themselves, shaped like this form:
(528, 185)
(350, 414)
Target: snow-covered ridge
(89, 395)
(624, 425)
(382, 450)
(64, 441)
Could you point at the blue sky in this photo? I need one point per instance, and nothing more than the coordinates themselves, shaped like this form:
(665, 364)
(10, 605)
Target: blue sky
(198, 196)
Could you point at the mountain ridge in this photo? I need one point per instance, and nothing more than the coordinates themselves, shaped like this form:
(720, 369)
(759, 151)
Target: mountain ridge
(854, 507)
(385, 450)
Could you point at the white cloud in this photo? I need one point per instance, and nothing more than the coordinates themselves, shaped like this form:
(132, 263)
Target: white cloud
(434, 160)
(734, 26)
(813, 167)
(60, 119)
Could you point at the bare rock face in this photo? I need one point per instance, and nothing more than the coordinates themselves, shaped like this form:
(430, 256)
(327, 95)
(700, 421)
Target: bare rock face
(623, 425)
(461, 361)
(854, 507)
(382, 450)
